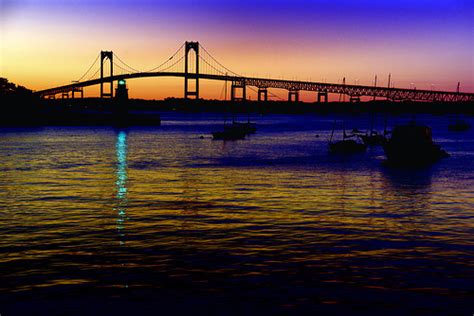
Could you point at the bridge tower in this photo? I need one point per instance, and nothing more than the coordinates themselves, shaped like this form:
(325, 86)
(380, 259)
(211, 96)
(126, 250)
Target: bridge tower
(187, 76)
(106, 55)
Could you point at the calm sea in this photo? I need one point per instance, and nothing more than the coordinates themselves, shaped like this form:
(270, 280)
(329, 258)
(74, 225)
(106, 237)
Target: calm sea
(97, 220)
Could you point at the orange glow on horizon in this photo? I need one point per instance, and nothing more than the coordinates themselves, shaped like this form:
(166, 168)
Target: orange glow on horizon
(43, 49)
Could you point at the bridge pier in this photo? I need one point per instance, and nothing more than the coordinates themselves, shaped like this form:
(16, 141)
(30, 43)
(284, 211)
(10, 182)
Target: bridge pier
(80, 90)
(354, 99)
(65, 95)
(103, 56)
(187, 92)
(321, 95)
(293, 96)
(262, 92)
(236, 85)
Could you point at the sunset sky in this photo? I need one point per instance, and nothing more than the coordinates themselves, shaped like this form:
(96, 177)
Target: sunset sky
(423, 43)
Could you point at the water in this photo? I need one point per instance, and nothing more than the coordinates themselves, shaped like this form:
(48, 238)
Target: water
(157, 220)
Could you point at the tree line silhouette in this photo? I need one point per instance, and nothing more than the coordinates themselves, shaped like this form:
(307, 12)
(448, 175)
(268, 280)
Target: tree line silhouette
(19, 104)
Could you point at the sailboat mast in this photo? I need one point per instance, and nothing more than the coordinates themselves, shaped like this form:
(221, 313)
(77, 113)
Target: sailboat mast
(375, 85)
(389, 79)
(332, 133)
(233, 113)
(372, 119)
(344, 95)
(225, 88)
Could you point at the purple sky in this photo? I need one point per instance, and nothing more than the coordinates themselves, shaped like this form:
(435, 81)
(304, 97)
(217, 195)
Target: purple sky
(421, 42)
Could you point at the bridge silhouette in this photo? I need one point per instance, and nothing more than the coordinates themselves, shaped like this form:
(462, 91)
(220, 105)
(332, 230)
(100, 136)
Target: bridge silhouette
(194, 63)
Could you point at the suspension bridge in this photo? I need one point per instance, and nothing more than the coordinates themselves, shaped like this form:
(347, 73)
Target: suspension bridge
(194, 63)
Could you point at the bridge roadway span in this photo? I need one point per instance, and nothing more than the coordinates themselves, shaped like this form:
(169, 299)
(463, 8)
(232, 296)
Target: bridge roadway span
(395, 94)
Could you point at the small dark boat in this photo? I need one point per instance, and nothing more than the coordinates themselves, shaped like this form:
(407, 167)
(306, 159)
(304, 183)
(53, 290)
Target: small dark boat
(373, 139)
(412, 145)
(346, 146)
(235, 131)
(459, 126)
(229, 133)
(247, 128)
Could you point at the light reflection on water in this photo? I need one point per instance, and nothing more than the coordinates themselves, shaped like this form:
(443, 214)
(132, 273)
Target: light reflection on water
(121, 184)
(158, 217)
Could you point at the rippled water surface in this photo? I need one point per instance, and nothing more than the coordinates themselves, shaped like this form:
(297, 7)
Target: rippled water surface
(157, 220)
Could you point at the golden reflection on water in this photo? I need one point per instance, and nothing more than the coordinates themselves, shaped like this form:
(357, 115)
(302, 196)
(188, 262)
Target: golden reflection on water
(233, 197)
(178, 203)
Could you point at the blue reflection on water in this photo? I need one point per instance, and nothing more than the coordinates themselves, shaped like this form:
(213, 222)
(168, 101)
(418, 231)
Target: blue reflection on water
(121, 183)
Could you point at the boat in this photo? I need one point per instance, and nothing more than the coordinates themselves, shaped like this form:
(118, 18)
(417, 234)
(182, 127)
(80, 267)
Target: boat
(412, 145)
(228, 135)
(248, 128)
(235, 131)
(459, 126)
(230, 132)
(346, 145)
(373, 139)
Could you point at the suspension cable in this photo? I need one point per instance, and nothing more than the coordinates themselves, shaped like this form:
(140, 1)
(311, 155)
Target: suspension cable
(96, 72)
(229, 71)
(126, 65)
(82, 77)
(121, 68)
(170, 66)
(211, 66)
(218, 63)
(172, 56)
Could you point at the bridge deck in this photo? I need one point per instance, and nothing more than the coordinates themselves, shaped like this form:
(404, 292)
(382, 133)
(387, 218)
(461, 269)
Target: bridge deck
(396, 94)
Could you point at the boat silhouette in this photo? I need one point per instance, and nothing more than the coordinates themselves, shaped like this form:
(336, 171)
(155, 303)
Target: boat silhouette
(248, 128)
(350, 144)
(230, 132)
(412, 145)
(372, 137)
(235, 130)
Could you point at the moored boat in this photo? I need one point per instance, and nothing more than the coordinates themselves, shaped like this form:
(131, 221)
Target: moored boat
(346, 146)
(412, 145)
(247, 128)
(373, 139)
(235, 131)
(229, 133)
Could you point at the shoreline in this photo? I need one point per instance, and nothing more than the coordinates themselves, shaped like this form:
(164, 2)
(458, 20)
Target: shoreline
(138, 112)
(285, 107)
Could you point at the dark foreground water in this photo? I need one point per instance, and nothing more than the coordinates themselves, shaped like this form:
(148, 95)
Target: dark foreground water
(158, 221)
